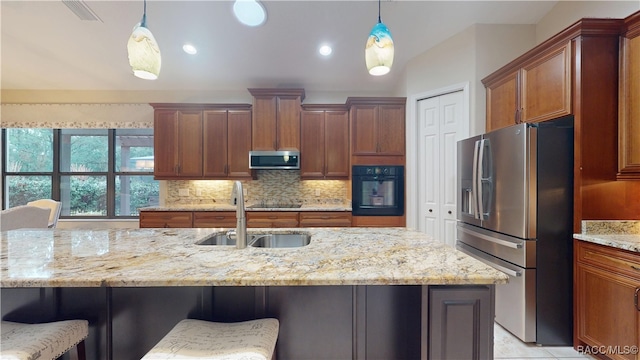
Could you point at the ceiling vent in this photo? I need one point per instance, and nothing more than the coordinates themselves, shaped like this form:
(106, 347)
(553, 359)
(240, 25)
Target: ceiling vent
(82, 10)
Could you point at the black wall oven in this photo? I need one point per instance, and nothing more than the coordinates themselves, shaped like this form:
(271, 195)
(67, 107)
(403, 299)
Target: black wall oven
(377, 190)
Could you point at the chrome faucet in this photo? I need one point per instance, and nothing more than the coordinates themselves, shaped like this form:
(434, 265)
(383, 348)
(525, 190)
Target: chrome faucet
(240, 232)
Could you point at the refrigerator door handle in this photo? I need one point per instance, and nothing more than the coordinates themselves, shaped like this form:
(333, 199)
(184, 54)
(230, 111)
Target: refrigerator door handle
(491, 239)
(474, 181)
(478, 183)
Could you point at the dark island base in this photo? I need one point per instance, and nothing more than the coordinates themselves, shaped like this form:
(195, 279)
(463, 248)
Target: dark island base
(316, 322)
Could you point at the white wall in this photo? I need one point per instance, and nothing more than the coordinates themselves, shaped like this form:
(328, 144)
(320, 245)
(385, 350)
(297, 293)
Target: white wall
(566, 13)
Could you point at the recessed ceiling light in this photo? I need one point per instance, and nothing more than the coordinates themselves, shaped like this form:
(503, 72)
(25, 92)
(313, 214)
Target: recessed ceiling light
(249, 12)
(189, 49)
(325, 50)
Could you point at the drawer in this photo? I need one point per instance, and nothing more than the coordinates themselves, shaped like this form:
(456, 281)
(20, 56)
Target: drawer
(204, 219)
(612, 259)
(325, 219)
(166, 219)
(272, 219)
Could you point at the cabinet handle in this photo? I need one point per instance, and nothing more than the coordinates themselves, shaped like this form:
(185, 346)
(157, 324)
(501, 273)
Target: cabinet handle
(430, 210)
(635, 298)
(219, 217)
(449, 212)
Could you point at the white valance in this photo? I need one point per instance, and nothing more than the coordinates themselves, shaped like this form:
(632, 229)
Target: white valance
(81, 116)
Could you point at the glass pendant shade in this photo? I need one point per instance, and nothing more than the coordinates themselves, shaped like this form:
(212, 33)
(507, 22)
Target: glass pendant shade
(144, 53)
(379, 50)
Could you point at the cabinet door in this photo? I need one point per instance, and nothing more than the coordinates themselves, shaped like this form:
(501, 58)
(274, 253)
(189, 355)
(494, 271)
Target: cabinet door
(207, 219)
(239, 144)
(546, 86)
(288, 124)
(165, 143)
(312, 142)
(263, 124)
(390, 130)
(502, 102)
(325, 219)
(336, 145)
(363, 129)
(629, 129)
(215, 143)
(607, 315)
(166, 219)
(190, 143)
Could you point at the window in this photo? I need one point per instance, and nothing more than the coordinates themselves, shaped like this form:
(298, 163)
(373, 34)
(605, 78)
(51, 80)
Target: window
(95, 173)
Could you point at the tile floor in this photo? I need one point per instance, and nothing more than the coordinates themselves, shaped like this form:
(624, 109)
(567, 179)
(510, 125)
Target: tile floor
(508, 347)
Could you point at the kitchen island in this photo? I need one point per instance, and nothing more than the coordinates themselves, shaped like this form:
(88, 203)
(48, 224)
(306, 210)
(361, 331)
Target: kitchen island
(352, 293)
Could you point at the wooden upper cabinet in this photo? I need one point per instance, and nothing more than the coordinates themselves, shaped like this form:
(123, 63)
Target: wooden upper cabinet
(324, 148)
(177, 143)
(502, 101)
(377, 126)
(275, 122)
(202, 141)
(239, 143)
(165, 143)
(215, 141)
(227, 139)
(629, 111)
(546, 86)
(539, 89)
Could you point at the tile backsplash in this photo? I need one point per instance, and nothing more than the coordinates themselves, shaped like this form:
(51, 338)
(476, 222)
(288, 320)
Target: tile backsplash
(271, 186)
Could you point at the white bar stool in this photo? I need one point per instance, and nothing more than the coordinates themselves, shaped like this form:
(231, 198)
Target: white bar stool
(45, 341)
(197, 339)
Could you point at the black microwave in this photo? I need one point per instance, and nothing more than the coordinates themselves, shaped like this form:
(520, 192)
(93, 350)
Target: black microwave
(377, 190)
(284, 160)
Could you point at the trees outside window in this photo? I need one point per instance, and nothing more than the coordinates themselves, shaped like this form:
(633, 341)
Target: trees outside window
(95, 173)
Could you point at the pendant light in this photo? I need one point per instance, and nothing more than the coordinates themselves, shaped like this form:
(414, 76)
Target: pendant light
(144, 53)
(378, 52)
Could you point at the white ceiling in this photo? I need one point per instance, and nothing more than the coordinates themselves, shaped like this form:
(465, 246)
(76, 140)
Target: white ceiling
(46, 46)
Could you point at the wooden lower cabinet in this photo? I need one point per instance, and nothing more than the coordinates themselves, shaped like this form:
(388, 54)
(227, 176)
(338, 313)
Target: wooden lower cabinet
(205, 219)
(272, 219)
(255, 219)
(378, 221)
(166, 219)
(325, 219)
(607, 283)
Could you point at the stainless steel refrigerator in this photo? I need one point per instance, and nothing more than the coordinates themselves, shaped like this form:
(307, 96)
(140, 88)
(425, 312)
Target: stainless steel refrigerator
(515, 213)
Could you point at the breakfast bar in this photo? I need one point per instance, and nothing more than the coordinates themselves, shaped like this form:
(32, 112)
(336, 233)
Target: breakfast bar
(371, 293)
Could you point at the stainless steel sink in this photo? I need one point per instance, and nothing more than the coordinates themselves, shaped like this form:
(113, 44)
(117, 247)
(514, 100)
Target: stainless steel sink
(217, 239)
(261, 240)
(281, 240)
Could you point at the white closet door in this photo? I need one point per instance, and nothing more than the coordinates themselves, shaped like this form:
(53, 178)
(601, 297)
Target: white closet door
(440, 123)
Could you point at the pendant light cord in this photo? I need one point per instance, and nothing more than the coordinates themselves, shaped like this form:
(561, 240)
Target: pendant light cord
(143, 22)
(379, 21)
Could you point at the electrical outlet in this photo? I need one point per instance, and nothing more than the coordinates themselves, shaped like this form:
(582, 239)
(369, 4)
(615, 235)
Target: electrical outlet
(317, 192)
(199, 192)
(183, 192)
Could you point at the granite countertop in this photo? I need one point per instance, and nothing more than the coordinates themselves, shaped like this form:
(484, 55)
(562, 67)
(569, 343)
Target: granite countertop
(618, 234)
(249, 207)
(170, 257)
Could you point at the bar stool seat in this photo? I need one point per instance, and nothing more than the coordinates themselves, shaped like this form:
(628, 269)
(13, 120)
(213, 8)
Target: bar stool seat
(197, 339)
(45, 341)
